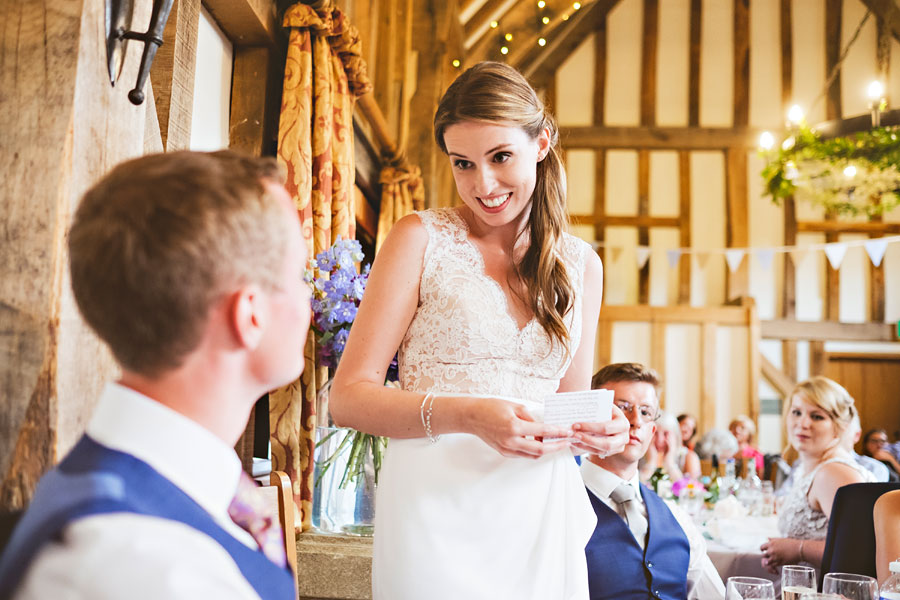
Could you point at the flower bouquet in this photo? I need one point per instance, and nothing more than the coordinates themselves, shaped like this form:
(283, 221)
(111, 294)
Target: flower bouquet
(337, 289)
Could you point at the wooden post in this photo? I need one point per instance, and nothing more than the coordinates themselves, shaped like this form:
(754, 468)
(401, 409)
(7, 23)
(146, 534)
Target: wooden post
(172, 75)
(684, 227)
(63, 127)
(643, 231)
(694, 64)
(599, 118)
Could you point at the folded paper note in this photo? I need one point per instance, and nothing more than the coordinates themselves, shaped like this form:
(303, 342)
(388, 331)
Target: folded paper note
(567, 408)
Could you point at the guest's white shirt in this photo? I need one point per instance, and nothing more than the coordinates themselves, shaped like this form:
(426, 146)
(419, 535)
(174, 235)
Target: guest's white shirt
(140, 557)
(703, 581)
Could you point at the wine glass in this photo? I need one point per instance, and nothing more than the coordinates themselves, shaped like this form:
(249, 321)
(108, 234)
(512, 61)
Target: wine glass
(851, 586)
(797, 580)
(743, 588)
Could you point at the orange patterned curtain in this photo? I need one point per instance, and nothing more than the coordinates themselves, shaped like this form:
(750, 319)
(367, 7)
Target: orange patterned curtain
(324, 75)
(401, 193)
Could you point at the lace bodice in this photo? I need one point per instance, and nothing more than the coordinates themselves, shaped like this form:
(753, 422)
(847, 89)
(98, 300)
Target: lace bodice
(462, 338)
(796, 518)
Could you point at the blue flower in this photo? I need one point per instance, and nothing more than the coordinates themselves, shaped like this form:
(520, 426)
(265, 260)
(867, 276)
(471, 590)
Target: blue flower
(342, 279)
(358, 287)
(345, 311)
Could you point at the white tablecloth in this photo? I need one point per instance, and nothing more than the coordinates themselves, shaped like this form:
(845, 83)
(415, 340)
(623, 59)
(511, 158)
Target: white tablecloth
(734, 549)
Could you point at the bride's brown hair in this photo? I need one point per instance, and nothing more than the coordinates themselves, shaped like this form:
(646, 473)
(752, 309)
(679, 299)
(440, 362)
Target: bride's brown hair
(494, 92)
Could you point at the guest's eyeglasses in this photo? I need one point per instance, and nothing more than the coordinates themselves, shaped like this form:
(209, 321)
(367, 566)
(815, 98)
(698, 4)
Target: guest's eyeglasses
(646, 414)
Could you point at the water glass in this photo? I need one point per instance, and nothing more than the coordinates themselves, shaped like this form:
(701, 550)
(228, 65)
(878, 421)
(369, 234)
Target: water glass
(744, 588)
(767, 500)
(818, 596)
(797, 580)
(851, 586)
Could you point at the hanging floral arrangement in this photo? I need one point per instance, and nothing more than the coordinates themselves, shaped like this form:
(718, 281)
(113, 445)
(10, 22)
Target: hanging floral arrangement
(851, 175)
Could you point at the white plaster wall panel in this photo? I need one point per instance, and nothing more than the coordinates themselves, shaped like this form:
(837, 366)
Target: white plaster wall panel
(770, 434)
(854, 282)
(802, 360)
(808, 64)
(631, 342)
(681, 381)
(575, 86)
(673, 62)
(212, 87)
(766, 229)
(860, 66)
(708, 226)
(585, 232)
(810, 280)
(663, 279)
(766, 108)
(622, 182)
(892, 283)
(621, 279)
(772, 350)
(580, 181)
(732, 379)
(664, 187)
(717, 64)
(892, 85)
(622, 103)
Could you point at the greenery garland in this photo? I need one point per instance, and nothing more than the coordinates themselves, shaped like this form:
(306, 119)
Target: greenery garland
(852, 175)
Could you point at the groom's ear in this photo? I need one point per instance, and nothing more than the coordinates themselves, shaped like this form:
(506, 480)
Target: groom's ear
(248, 315)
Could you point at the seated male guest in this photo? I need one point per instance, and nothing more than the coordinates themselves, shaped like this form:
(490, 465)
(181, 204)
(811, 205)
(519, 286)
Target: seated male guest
(188, 266)
(641, 548)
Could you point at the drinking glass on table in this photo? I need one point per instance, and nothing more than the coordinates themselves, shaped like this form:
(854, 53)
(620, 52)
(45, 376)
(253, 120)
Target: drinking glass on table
(797, 580)
(818, 596)
(851, 586)
(744, 588)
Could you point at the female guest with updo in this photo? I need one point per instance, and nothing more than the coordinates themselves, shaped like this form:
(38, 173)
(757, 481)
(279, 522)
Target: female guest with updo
(816, 414)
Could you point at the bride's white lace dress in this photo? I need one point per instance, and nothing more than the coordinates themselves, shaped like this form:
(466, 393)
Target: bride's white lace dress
(455, 519)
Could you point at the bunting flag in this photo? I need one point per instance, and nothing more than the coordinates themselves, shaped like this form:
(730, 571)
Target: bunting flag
(764, 257)
(734, 256)
(673, 256)
(643, 255)
(875, 249)
(835, 252)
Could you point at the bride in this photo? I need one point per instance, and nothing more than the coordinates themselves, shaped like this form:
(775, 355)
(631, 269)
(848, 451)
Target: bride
(493, 306)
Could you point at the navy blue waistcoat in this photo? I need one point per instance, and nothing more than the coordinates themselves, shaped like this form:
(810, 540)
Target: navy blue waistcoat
(93, 480)
(617, 567)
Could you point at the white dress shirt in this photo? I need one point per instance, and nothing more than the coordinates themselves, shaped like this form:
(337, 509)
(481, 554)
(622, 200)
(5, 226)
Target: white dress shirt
(703, 581)
(121, 555)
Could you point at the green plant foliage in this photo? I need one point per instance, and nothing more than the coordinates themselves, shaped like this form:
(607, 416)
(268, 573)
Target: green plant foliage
(852, 175)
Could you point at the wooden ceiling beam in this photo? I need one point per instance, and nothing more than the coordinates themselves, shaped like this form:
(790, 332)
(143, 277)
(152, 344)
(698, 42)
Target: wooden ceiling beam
(564, 41)
(848, 227)
(825, 331)
(492, 10)
(522, 20)
(245, 22)
(886, 10)
(659, 138)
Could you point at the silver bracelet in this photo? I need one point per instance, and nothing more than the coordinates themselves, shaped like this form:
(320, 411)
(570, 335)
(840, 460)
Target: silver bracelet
(801, 550)
(425, 414)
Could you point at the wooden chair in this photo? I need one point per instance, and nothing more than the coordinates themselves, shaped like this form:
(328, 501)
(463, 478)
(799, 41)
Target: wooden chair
(279, 496)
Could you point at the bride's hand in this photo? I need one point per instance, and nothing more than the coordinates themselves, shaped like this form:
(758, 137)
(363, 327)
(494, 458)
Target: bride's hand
(509, 428)
(603, 439)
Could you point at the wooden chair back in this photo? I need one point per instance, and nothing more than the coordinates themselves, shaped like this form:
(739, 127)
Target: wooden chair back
(279, 497)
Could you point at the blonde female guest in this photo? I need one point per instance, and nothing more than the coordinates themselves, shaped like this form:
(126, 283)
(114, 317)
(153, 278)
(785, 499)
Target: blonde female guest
(493, 306)
(816, 415)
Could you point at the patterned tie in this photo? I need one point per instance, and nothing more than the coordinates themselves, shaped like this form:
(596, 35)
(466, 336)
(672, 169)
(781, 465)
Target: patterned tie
(624, 496)
(251, 513)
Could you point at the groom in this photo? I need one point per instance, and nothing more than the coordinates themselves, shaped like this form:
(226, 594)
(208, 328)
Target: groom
(640, 548)
(189, 266)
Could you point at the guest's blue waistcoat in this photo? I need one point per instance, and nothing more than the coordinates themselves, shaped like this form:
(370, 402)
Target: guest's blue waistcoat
(617, 567)
(93, 480)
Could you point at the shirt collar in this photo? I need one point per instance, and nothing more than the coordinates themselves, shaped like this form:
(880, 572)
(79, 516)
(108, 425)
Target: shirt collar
(178, 448)
(602, 482)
